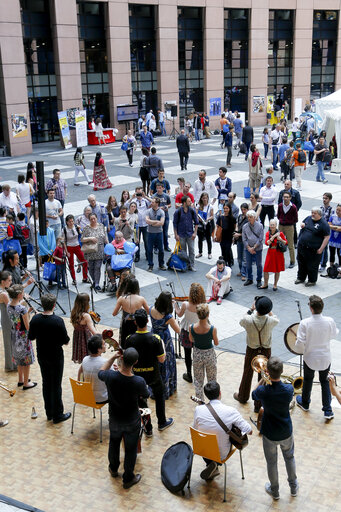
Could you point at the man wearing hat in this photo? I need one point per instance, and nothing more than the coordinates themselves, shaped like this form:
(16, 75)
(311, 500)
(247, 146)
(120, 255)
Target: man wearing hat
(258, 323)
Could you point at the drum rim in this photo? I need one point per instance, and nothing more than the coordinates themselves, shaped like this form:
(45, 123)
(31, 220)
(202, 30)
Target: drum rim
(286, 342)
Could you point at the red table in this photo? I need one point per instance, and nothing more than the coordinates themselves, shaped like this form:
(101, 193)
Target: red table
(108, 136)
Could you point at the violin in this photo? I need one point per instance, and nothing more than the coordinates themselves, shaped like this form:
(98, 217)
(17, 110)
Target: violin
(96, 317)
(107, 337)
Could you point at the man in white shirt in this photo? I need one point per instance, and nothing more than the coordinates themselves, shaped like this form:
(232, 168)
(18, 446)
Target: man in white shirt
(205, 422)
(54, 211)
(314, 335)
(8, 200)
(268, 196)
(203, 185)
(143, 204)
(91, 365)
(218, 281)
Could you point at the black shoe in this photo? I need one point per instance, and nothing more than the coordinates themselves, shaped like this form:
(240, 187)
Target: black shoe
(168, 249)
(135, 480)
(259, 284)
(137, 259)
(248, 282)
(114, 474)
(187, 377)
(63, 417)
(30, 387)
(163, 267)
(98, 288)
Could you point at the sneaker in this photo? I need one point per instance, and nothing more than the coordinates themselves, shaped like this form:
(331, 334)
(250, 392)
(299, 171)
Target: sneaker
(299, 281)
(163, 267)
(150, 269)
(299, 403)
(274, 495)
(309, 283)
(168, 423)
(322, 269)
(294, 490)
(210, 256)
(325, 181)
(219, 301)
(328, 415)
(207, 473)
(214, 474)
(291, 265)
(3, 423)
(211, 299)
(187, 378)
(192, 269)
(148, 433)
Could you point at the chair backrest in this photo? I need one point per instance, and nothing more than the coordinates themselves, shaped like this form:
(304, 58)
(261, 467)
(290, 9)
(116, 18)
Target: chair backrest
(205, 445)
(83, 393)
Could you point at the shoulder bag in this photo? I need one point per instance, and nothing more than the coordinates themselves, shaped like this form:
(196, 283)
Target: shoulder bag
(238, 439)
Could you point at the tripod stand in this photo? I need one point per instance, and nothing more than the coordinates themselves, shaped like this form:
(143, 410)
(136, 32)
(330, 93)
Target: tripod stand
(173, 132)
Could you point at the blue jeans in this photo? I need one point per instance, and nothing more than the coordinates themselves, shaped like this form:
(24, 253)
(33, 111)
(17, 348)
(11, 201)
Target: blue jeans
(324, 257)
(61, 274)
(266, 149)
(143, 231)
(241, 258)
(197, 136)
(254, 258)
(165, 233)
(162, 128)
(270, 453)
(320, 174)
(155, 239)
(274, 156)
(308, 375)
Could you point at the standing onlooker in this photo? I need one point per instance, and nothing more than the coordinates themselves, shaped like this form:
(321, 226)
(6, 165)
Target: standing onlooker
(202, 334)
(295, 199)
(282, 152)
(98, 209)
(287, 218)
(314, 335)
(160, 180)
(99, 131)
(276, 427)
(274, 261)
(144, 170)
(185, 224)
(71, 237)
(223, 184)
(206, 126)
(227, 222)
(204, 185)
(6, 324)
(113, 211)
(132, 144)
(196, 126)
(266, 140)
(294, 128)
(224, 124)
(327, 211)
(218, 281)
(83, 220)
(231, 202)
(146, 138)
(31, 176)
(54, 212)
(267, 195)
(50, 356)
(59, 256)
(299, 158)
(228, 145)
(289, 168)
(80, 166)
(252, 235)
(24, 193)
(59, 186)
(254, 204)
(206, 226)
(155, 218)
(8, 200)
(247, 137)
(152, 125)
(165, 204)
(310, 141)
(188, 124)
(320, 150)
(313, 238)
(237, 239)
(154, 163)
(83, 327)
(95, 235)
(161, 318)
(101, 179)
(238, 129)
(22, 228)
(162, 122)
(275, 141)
(185, 192)
(182, 144)
(255, 168)
(335, 235)
(124, 224)
(143, 204)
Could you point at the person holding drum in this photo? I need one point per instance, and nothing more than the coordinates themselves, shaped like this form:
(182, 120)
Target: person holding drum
(314, 335)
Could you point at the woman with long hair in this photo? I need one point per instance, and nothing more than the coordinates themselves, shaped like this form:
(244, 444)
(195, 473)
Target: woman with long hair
(83, 327)
(113, 211)
(125, 196)
(161, 318)
(188, 311)
(255, 168)
(6, 324)
(101, 178)
(202, 334)
(128, 303)
(132, 145)
(24, 193)
(71, 237)
(132, 215)
(23, 355)
(205, 216)
(79, 164)
(228, 224)
(31, 176)
(95, 234)
(254, 204)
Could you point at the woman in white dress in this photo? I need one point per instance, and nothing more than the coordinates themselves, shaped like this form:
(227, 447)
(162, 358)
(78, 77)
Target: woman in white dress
(99, 131)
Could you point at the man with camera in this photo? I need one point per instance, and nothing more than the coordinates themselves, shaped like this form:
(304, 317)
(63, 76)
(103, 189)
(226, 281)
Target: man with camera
(125, 225)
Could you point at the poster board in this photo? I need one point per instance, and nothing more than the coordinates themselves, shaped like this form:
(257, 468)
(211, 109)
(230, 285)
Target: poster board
(81, 131)
(19, 125)
(298, 107)
(168, 107)
(64, 129)
(258, 104)
(215, 107)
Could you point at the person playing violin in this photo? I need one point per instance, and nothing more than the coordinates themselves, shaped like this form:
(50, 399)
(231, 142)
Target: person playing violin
(83, 327)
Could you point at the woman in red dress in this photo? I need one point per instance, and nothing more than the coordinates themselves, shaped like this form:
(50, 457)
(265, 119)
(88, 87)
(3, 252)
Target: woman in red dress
(100, 179)
(274, 261)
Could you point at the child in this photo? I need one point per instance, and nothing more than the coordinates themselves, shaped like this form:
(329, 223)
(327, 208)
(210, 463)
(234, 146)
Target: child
(3, 225)
(59, 257)
(294, 128)
(23, 228)
(265, 140)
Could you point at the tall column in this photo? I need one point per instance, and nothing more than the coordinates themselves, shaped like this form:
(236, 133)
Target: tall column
(338, 56)
(167, 56)
(13, 87)
(301, 65)
(64, 26)
(258, 59)
(118, 51)
(214, 57)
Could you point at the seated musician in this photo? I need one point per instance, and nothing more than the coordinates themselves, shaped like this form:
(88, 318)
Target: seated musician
(91, 365)
(335, 391)
(119, 242)
(205, 422)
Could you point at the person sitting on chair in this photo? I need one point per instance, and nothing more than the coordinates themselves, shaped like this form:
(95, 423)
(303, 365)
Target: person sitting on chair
(119, 242)
(91, 365)
(205, 422)
(218, 281)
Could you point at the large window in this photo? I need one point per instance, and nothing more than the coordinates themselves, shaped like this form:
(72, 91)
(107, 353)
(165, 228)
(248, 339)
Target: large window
(236, 51)
(40, 73)
(323, 61)
(143, 57)
(93, 59)
(191, 70)
(280, 54)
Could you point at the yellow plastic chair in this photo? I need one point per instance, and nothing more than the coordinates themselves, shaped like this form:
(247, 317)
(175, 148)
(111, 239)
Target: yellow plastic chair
(206, 445)
(83, 394)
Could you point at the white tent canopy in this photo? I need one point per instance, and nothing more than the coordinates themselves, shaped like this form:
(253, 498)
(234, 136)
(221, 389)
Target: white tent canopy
(332, 125)
(328, 102)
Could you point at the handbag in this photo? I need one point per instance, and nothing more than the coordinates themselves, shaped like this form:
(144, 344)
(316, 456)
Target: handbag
(124, 146)
(178, 260)
(49, 273)
(247, 191)
(218, 233)
(89, 247)
(281, 246)
(13, 245)
(238, 439)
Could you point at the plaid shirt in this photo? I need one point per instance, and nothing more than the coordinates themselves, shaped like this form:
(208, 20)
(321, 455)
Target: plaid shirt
(59, 192)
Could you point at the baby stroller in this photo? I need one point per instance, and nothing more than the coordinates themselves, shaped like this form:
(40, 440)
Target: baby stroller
(117, 263)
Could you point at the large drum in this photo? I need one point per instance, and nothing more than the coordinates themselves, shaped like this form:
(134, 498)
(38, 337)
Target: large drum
(290, 337)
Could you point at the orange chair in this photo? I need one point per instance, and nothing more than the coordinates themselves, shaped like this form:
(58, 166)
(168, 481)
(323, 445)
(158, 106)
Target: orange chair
(83, 394)
(206, 445)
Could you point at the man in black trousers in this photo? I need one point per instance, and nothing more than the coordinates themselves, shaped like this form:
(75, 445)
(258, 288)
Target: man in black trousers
(182, 144)
(50, 332)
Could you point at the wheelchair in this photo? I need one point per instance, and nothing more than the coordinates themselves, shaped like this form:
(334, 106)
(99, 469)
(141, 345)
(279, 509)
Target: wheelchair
(116, 264)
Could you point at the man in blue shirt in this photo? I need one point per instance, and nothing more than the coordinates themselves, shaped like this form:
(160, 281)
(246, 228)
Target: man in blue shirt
(281, 156)
(276, 426)
(154, 163)
(165, 204)
(228, 145)
(160, 179)
(162, 122)
(146, 138)
(185, 224)
(238, 129)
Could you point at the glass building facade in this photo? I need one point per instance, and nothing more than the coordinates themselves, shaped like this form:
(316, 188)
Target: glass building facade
(325, 30)
(143, 57)
(191, 67)
(236, 55)
(40, 70)
(93, 59)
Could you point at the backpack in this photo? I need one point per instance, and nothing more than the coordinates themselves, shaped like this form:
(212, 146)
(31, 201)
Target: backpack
(18, 233)
(332, 271)
(176, 467)
(303, 126)
(301, 157)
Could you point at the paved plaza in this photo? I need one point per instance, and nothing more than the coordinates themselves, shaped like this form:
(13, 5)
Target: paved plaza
(205, 155)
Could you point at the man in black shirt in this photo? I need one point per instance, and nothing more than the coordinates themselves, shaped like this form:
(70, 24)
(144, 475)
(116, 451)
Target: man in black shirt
(313, 238)
(151, 352)
(124, 390)
(277, 426)
(50, 332)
